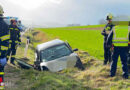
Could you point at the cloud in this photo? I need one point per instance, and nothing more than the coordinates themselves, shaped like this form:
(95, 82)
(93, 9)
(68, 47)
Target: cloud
(56, 1)
(63, 12)
(27, 4)
(33, 4)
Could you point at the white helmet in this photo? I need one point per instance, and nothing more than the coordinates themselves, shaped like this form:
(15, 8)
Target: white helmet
(1, 10)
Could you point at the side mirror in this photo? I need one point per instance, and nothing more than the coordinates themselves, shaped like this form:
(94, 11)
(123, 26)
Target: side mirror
(75, 49)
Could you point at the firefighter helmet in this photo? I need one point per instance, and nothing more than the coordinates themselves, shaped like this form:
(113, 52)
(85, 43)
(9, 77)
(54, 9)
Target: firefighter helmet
(13, 20)
(109, 17)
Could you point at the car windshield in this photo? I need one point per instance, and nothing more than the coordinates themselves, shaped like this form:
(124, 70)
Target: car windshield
(55, 52)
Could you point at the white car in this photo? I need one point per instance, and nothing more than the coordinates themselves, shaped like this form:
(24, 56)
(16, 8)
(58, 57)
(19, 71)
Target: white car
(56, 55)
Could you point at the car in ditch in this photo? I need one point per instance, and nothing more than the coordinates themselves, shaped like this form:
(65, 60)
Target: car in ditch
(56, 55)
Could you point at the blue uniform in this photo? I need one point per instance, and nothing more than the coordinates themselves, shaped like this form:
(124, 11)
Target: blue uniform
(4, 45)
(15, 39)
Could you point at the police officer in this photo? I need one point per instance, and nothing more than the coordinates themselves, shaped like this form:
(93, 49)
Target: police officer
(4, 46)
(105, 33)
(119, 38)
(15, 39)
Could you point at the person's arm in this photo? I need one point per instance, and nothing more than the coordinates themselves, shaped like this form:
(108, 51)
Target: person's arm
(129, 36)
(9, 50)
(9, 34)
(129, 41)
(109, 39)
(104, 31)
(19, 36)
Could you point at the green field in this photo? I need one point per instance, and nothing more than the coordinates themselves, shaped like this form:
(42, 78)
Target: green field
(75, 27)
(86, 40)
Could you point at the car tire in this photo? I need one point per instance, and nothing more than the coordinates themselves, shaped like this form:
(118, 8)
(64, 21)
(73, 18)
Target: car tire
(79, 64)
(37, 66)
(45, 68)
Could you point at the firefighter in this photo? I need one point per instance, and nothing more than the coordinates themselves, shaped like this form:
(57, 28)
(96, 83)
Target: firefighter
(105, 33)
(15, 39)
(119, 38)
(4, 46)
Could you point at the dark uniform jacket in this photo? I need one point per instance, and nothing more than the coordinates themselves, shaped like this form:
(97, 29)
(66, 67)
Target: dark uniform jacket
(4, 38)
(14, 33)
(107, 28)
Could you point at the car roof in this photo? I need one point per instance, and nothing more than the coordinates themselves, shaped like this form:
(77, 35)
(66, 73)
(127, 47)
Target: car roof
(49, 44)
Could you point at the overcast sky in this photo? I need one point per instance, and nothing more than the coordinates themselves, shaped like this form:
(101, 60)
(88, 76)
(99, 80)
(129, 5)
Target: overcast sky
(63, 12)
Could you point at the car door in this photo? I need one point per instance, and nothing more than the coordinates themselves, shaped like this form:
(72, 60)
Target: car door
(57, 64)
(71, 60)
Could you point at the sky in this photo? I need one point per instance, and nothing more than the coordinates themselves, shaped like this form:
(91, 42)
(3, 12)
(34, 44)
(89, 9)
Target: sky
(53, 13)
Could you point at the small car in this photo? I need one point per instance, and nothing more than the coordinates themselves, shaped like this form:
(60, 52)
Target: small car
(55, 56)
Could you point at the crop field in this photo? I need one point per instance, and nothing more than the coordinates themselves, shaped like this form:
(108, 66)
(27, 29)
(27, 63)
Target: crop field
(86, 40)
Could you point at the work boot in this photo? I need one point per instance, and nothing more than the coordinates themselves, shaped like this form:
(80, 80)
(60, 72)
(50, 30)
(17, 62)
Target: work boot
(112, 75)
(2, 86)
(126, 77)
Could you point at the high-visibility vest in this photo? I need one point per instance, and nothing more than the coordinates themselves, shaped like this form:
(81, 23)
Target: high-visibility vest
(120, 36)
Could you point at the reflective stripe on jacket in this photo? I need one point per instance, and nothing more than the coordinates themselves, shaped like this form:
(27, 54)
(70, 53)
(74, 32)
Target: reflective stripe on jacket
(120, 36)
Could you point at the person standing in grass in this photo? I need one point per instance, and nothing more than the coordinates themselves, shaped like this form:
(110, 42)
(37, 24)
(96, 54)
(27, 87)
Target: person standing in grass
(119, 38)
(15, 39)
(4, 46)
(105, 33)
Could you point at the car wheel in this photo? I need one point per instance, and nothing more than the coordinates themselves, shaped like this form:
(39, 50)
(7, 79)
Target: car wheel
(45, 68)
(37, 68)
(79, 64)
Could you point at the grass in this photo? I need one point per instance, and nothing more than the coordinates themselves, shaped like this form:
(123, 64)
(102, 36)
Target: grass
(50, 81)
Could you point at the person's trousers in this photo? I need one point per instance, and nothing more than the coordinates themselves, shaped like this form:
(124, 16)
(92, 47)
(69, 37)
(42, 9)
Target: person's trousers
(3, 62)
(122, 52)
(128, 62)
(107, 54)
(13, 51)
